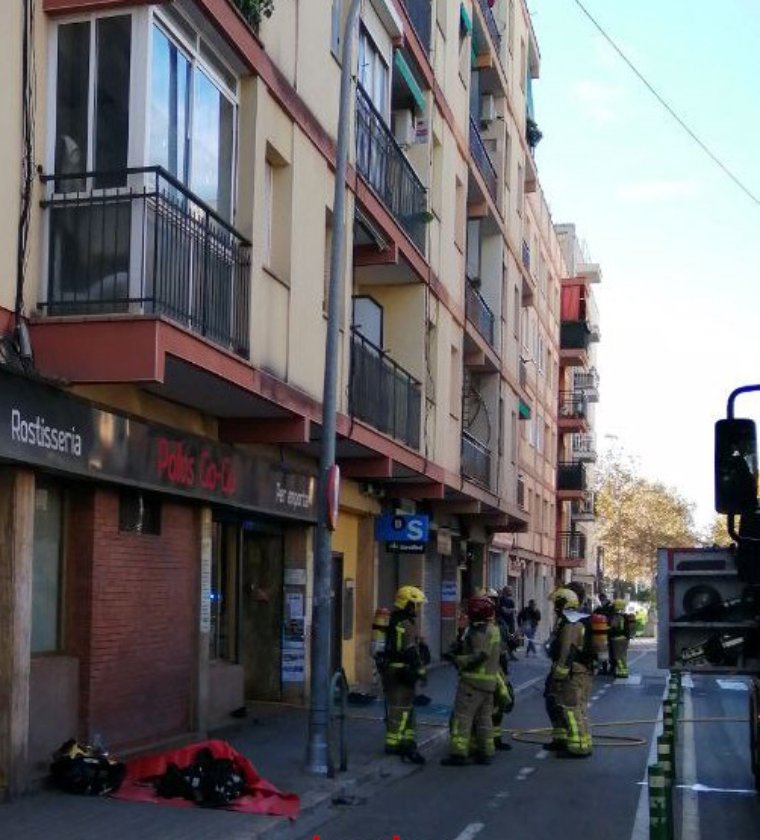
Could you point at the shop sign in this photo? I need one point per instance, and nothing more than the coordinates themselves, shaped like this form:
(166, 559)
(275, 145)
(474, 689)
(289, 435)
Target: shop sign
(515, 566)
(45, 427)
(397, 547)
(402, 528)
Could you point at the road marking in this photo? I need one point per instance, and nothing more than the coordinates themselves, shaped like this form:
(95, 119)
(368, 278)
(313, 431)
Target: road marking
(498, 799)
(733, 685)
(697, 788)
(690, 800)
(542, 754)
(687, 681)
(469, 832)
(524, 772)
(633, 680)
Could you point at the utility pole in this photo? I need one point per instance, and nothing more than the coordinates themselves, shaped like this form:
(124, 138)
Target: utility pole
(317, 751)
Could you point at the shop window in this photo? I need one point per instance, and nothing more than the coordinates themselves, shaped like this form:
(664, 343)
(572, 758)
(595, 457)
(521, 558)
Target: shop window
(47, 569)
(139, 512)
(223, 591)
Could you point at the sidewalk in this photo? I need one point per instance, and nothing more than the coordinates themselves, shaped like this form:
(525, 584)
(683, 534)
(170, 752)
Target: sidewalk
(274, 738)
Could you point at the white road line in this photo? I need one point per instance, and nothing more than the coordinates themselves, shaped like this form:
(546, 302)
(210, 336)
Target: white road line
(690, 814)
(542, 754)
(469, 832)
(524, 772)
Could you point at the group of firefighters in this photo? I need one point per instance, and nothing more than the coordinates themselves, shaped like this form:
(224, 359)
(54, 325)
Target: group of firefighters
(582, 643)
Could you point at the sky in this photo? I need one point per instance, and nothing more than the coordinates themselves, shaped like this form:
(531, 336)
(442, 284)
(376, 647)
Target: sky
(677, 241)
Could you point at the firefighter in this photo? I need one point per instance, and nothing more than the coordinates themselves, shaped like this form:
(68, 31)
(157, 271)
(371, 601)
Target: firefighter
(568, 685)
(619, 634)
(402, 669)
(477, 660)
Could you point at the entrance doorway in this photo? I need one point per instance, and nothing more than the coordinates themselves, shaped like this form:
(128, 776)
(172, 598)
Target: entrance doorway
(261, 618)
(336, 613)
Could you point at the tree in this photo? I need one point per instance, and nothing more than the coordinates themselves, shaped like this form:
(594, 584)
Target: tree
(635, 517)
(254, 10)
(718, 532)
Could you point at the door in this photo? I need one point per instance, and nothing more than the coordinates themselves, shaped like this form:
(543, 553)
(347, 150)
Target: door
(336, 613)
(261, 619)
(431, 624)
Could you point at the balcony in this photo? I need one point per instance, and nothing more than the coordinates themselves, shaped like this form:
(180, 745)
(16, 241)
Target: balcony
(573, 406)
(584, 509)
(137, 241)
(583, 447)
(383, 165)
(571, 476)
(526, 255)
(521, 493)
(493, 27)
(523, 373)
(419, 12)
(479, 312)
(574, 335)
(571, 549)
(476, 460)
(383, 394)
(482, 159)
(587, 381)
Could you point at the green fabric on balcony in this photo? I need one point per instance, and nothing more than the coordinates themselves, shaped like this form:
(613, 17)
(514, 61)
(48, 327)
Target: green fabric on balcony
(399, 62)
(524, 410)
(464, 18)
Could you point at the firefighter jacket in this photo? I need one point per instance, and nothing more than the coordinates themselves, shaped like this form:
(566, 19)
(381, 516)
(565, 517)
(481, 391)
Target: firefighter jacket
(620, 626)
(567, 646)
(478, 661)
(402, 652)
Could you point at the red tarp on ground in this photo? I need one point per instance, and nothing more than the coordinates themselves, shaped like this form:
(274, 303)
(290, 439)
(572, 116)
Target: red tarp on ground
(261, 796)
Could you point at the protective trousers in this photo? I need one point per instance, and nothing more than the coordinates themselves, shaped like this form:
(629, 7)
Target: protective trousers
(552, 695)
(573, 695)
(399, 720)
(473, 709)
(619, 653)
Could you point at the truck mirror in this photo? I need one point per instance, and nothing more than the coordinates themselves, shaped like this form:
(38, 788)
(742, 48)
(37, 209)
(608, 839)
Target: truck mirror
(736, 469)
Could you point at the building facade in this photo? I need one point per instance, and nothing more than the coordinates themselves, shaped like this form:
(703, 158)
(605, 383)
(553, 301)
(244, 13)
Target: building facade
(163, 348)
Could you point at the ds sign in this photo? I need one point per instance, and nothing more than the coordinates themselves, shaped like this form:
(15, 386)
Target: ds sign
(403, 533)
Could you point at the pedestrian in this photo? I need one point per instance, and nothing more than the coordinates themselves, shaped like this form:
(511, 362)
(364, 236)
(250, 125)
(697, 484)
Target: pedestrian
(477, 661)
(528, 620)
(402, 668)
(568, 685)
(619, 635)
(506, 617)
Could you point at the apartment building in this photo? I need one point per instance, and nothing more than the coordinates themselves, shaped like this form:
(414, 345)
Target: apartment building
(161, 406)
(579, 393)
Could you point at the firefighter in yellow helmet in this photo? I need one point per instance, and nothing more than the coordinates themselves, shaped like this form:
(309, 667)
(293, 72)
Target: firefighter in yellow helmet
(568, 684)
(619, 636)
(401, 669)
(477, 660)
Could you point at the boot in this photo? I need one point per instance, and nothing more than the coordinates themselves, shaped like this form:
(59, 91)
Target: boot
(554, 746)
(454, 761)
(566, 754)
(482, 758)
(412, 755)
(500, 745)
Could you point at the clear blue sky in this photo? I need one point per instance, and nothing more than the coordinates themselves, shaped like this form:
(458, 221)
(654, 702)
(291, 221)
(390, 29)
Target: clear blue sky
(678, 242)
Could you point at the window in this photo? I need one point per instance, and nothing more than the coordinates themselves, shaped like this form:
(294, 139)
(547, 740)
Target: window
(460, 219)
(368, 319)
(520, 189)
(517, 313)
(335, 27)
(540, 353)
(139, 512)
(266, 255)
(523, 69)
(47, 563)
(508, 161)
(511, 27)
(513, 441)
(328, 258)
(93, 65)
(455, 384)
(373, 74)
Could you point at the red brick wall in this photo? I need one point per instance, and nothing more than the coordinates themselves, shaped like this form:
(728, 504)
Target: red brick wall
(139, 663)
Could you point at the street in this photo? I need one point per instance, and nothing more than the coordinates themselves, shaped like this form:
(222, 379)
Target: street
(533, 792)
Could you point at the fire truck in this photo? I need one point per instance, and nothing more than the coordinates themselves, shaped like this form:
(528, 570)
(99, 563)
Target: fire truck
(709, 598)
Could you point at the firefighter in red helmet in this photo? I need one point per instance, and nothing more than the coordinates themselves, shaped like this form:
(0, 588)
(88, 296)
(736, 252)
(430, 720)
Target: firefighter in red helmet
(477, 660)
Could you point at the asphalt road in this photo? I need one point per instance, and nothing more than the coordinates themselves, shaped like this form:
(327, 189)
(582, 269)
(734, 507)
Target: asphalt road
(529, 793)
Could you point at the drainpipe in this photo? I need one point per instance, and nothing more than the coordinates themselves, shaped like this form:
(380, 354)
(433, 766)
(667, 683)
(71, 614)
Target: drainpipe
(317, 750)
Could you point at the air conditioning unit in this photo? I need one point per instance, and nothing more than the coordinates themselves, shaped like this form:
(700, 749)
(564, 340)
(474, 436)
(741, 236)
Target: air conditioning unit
(403, 127)
(487, 109)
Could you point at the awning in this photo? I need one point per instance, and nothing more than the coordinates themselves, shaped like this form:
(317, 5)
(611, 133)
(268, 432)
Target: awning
(464, 19)
(524, 410)
(405, 71)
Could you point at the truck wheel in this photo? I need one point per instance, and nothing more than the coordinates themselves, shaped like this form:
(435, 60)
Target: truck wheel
(754, 730)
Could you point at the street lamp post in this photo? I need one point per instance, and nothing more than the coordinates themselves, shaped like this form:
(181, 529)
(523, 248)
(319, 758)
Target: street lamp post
(317, 751)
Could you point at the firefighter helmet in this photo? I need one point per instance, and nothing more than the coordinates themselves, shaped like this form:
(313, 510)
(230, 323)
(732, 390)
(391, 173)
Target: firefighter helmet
(409, 595)
(564, 598)
(619, 604)
(480, 608)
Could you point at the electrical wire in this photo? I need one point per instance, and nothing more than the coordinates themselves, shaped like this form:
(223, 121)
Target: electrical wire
(705, 148)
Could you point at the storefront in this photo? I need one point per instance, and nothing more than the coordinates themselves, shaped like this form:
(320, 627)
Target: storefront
(143, 575)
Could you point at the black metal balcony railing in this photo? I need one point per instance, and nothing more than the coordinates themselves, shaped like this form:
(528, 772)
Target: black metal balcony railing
(476, 460)
(479, 312)
(571, 475)
(526, 255)
(382, 393)
(493, 27)
(419, 12)
(482, 159)
(572, 545)
(572, 405)
(583, 446)
(146, 245)
(574, 335)
(587, 381)
(382, 163)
